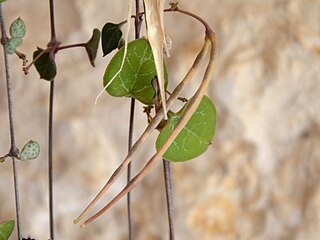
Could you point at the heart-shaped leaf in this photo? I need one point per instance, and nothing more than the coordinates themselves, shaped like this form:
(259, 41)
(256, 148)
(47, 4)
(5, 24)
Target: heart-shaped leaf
(6, 229)
(18, 28)
(12, 44)
(195, 137)
(30, 151)
(45, 65)
(111, 37)
(92, 46)
(138, 70)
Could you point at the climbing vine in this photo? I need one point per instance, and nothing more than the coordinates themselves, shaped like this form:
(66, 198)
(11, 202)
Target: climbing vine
(134, 72)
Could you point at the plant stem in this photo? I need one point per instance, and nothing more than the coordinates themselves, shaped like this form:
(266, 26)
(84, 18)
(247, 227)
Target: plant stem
(71, 46)
(209, 31)
(17, 196)
(131, 128)
(50, 160)
(169, 196)
(53, 41)
(175, 8)
(52, 22)
(130, 140)
(138, 20)
(26, 69)
(13, 150)
(166, 167)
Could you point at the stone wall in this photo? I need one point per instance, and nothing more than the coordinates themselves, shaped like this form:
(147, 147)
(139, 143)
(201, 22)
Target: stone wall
(258, 181)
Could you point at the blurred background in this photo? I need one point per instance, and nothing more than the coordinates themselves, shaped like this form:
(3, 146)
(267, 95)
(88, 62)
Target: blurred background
(258, 181)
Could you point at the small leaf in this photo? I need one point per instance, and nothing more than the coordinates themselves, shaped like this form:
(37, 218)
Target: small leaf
(195, 137)
(137, 73)
(6, 229)
(18, 28)
(92, 46)
(110, 37)
(45, 65)
(12, 44)
(2, 1)
(30, 151)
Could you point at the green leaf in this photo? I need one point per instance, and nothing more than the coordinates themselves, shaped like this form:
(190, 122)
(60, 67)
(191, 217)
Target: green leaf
(195, 137)
(137, 73)
(45, 65)
(2, 1)
(110, 37)
(12, 44)
(18, 28)
(6, 229)
(92, 46)
(30, 151)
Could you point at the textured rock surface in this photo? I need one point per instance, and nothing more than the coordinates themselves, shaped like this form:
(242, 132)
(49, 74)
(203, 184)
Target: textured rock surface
(259, 180)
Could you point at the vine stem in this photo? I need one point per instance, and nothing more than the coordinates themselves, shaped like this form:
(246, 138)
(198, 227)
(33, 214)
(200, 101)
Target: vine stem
(53, 42)
(53, 45)
(138, 22)
(13, 150)
(167, 172)
(71, 46)
(52, 22)
(130, 140)
(26, 69)
(50, 160)
(166, 164)
(169, 196)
